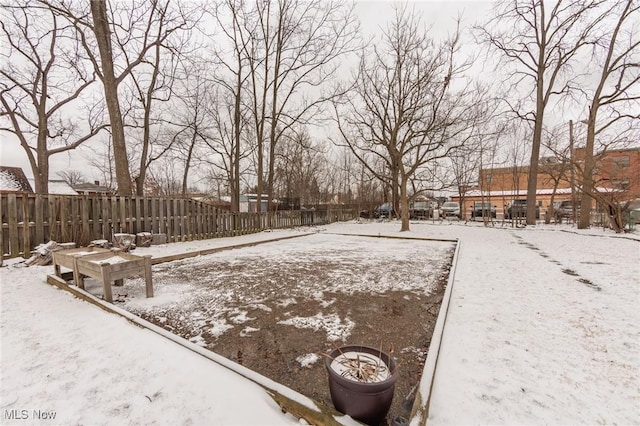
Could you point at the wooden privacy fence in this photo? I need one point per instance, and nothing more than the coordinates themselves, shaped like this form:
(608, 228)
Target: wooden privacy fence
(32, 219)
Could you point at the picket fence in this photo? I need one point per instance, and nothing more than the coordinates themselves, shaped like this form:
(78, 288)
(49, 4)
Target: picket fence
(32, 219)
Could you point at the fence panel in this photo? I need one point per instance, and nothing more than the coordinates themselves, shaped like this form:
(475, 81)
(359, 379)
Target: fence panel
(29, 220)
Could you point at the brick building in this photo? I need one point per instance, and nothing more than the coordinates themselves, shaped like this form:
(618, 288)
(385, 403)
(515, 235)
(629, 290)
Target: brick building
(616, 175)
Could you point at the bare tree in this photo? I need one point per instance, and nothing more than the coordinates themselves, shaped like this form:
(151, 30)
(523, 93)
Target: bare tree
(152, 81)
(369, 189)
(110, 83)
(344, 167)
(103, 164)
(190, 118)
(164, 178)
(464, 164)
(514, 142)
(489, 146)
(404, 109)
(300, 164)
(123, 35)
(541, 44)
(71, 177)
(616, 93)
(226, 142)
(45, 76)
(294, 54)
(557, 168)
(232, 78)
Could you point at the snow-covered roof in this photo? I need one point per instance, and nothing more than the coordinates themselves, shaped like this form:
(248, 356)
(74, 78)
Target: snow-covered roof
(58, 187)
(88, 187)
(13, 179)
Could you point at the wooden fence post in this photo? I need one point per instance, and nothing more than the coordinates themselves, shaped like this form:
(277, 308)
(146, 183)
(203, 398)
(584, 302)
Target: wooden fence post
(65, 226)
(147, 275)
(137, 219)
(177, 230)
(123, 215)
(12, 217)
(86, 230)
(26, 228)
(162, 224)
(39, 220)
(106, 222)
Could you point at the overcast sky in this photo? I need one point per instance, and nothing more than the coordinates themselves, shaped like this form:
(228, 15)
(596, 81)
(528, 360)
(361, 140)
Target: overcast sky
(439, 15)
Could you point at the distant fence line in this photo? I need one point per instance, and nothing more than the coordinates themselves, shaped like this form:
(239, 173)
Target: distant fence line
(32, 219)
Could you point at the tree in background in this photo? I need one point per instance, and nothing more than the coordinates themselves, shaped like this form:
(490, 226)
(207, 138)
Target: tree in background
(617, 92)
(557, 167)
(301, 163)
(72, 177)
(117, 39)
(44, 86)
(541, 41)
(295, 51)
(232, 79)
(464, 166)
(408, 105)
(151, 83)
(227, 148)
(190, 119)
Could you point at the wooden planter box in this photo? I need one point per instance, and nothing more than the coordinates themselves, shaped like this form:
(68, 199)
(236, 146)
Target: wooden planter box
(104, 265)
(66, 258)
(108, 267)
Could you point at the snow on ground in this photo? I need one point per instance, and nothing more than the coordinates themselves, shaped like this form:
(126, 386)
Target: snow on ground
(543, 327)
(67, 357)
(198, 292)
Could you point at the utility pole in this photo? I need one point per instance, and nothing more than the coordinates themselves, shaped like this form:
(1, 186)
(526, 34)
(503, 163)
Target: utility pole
(572, 173)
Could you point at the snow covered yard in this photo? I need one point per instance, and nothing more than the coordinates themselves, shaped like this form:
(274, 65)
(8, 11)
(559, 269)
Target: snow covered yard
(561, 342)
(80, 365)
(274, 307)
(543, 327)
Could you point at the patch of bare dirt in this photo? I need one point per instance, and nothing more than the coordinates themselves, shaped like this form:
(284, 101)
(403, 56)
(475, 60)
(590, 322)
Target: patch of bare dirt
(268, 325)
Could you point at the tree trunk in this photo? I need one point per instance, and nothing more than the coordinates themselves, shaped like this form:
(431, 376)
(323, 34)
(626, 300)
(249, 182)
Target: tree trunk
(584, 221)
(532, 183)
(274, 113)
(146, 137)
(187, 164)
(41, 175)
(404, 205)
(235, 167)
(550, 210)
(103, 37)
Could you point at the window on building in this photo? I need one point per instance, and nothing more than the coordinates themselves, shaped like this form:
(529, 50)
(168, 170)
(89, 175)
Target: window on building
(622, 184)
(622, 161)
